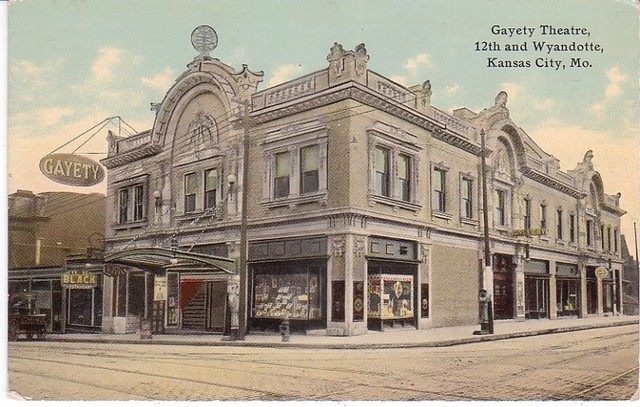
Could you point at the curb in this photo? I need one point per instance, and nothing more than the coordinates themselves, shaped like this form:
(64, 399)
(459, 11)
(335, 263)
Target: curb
(427, 344)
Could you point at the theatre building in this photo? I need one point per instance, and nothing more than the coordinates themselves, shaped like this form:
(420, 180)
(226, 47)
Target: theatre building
(363, 209)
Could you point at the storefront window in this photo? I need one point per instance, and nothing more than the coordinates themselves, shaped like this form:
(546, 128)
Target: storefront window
(390, 296)
(567, 296)
(280, 294)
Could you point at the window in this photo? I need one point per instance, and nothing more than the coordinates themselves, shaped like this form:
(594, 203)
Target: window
(615, 240)
(559, 223)
(501, 208)
(132, 203)
(138, 203)
(572, 228)
(190, 187)
(602, 237)
(467, 198)
(589, 233)
(123, 205)
(283, 174)
(609, 238)
(309, 169)
(439, 190)
(543, 216)
(404, 174)
(527, 213)
(210, 188)
(382, 172)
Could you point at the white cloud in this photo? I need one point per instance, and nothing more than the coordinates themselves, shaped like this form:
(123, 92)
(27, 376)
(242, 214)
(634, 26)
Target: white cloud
(452, 89)
(513, 90)
(612, 156)
(285, 73)
(545, 105)
(42, 118)
(414, 64)
(161, 81)
(108, 60)
(615, 79)
(399, 79)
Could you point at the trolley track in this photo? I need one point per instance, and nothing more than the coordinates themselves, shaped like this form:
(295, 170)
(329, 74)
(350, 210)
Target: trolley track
(343, 380)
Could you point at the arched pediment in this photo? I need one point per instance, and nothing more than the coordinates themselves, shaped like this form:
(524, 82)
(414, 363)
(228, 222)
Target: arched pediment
(180, 99)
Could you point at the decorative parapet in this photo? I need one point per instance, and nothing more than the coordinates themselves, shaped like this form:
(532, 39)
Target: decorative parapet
(454, 124)
(290, 91)
(391, 89)
(135, 141)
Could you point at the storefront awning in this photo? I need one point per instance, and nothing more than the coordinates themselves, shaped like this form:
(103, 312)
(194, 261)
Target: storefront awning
(167, 259)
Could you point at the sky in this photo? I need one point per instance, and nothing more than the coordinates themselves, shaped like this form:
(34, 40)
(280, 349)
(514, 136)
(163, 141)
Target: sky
(72, 64)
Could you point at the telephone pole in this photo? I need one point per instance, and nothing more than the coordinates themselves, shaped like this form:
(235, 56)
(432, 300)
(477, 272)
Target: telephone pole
(246, 123)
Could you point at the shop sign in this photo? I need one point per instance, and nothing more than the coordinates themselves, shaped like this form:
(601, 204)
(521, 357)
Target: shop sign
(602, 272)
(84, 280)
(530, 232)
(160, 289)
(71, 169)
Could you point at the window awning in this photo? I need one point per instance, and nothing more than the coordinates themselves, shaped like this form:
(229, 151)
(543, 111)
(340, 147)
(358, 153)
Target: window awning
(174, 260)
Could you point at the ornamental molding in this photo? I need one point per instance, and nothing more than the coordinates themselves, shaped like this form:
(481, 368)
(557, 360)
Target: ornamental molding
(368, 97)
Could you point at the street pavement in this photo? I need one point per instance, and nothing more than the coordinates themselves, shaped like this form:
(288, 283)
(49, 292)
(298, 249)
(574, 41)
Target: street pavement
(397, 338)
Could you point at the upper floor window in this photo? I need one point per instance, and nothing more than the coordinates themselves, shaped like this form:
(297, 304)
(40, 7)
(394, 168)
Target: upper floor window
(190, 189)
(123, 205)
(602, 237)
(559, 223)
(572, 228)
(589, 231)
(283, 175)
(501, 207)
(132, 203)
(543, 216)
(609, 238)
(138, 203)
(615, 240)
(295, 161)
(309, 169)
(439, 197)
(210, 188)
(467, 198)
(382, 167)
(404, 177)
(527, 213)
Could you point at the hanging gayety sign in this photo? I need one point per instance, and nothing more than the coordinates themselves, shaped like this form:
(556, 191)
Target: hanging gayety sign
(71, 169)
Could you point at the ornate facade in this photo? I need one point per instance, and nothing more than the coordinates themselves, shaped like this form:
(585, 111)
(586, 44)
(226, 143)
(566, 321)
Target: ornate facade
(363, 208)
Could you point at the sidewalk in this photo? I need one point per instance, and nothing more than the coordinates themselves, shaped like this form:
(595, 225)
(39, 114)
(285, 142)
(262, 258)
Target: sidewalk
(404, 338)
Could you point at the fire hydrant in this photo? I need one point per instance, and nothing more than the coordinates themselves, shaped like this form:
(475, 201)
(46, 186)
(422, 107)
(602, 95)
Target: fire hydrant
(284, 330)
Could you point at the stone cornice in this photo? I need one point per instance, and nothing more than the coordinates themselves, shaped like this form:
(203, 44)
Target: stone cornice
(364, 95)
(131, 156)
(551, 182)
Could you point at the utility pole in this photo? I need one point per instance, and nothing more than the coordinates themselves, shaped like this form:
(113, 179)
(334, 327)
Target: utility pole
(246, 123)
(485, 300)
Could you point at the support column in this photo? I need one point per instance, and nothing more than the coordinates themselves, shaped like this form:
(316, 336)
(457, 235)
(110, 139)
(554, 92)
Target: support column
(519, 289)
(582, 270)
(553, 311)
(600, 297)
(348, 284)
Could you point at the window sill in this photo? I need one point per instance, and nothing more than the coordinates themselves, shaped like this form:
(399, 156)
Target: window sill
(130, 225)
(469, 221)
(191, 216)
(292, 201)
(503, 229)
(396, 203)
(441, 215)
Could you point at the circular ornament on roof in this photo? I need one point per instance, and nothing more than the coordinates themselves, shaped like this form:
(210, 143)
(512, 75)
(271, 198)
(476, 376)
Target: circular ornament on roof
(204, 39)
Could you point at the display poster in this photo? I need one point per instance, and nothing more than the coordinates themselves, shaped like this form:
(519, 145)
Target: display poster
(286, 296)
(390, 296)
